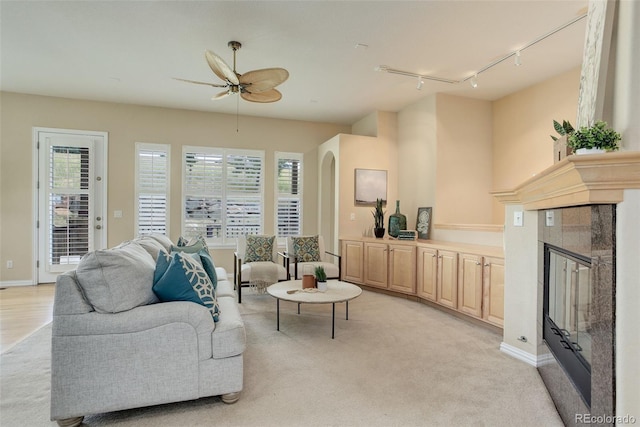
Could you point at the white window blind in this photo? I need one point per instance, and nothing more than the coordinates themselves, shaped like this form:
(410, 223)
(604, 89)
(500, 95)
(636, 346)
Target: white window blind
(288, 194)
(223, 193)
(152, 188)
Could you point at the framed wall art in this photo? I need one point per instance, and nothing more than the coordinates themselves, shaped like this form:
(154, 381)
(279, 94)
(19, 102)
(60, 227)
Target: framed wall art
(371, 184)
(423, 224)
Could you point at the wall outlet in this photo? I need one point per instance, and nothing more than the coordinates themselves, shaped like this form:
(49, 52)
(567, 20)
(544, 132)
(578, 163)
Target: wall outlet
(518, 218)
(549, 218)
(353, 216)
(9, 264)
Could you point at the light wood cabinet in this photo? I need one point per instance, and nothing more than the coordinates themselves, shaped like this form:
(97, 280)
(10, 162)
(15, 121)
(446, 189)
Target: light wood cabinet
(447, 279)
(493, 289)
(470, 294)
(402, 268)
(461, 277)
(427, 273)
(352, 261)
(376, 261)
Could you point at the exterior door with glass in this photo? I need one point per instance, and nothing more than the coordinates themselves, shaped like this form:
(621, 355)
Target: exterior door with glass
(71, 198)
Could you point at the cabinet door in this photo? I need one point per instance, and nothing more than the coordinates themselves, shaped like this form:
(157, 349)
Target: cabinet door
(427, 270)
(352, 261)
(376, 256)
(402, 268)
(447, 284)
(493, 310)
(470, 285)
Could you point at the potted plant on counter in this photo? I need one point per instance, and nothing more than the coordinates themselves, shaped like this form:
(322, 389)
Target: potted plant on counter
(597, 138)
(378, 217)
(560, 147)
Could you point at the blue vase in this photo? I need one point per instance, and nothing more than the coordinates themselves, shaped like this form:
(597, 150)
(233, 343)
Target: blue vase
(397, 221)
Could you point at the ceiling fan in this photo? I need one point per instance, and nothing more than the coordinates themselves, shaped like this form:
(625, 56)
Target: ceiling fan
(254, 86)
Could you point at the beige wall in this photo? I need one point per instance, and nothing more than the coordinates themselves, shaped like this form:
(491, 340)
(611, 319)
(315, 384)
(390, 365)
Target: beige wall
(126, 125)
(522, 123)
(464, 161)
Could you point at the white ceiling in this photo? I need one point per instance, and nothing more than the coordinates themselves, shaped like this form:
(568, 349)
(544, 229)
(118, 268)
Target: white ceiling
(128, 51)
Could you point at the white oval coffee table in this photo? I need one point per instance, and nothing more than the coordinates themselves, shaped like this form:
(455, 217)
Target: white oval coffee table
(337, 291)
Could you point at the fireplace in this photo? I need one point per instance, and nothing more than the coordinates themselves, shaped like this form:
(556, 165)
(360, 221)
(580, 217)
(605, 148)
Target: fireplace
(577, 256)
(567, 315)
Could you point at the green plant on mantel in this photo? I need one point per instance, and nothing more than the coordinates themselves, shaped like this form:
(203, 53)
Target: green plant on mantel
(599, 135)
(378, 214)
(564, 129)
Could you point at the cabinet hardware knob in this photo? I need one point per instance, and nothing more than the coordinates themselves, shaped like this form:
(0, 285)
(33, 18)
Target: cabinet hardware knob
(477, 262)
(487, 264)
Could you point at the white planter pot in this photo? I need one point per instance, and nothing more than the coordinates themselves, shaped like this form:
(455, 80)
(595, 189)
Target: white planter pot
(322, 286)
(590, 151)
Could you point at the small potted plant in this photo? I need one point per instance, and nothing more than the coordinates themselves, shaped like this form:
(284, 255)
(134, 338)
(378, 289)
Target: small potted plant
(378, 216)
(321, 277)
(597, 138)
(560, 146)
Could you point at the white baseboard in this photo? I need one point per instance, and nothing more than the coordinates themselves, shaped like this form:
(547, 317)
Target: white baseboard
(528, 358)
(9, 283)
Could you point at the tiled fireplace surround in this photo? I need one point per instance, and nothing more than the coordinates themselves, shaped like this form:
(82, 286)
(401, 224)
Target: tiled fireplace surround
(588, 231)
(582, 192)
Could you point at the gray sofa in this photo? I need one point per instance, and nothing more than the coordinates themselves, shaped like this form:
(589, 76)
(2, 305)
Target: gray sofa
(115, 346)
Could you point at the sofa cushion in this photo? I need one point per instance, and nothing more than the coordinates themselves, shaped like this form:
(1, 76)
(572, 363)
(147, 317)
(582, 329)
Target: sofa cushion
(151, 245)
(117, 279)
(229, 337)
(259, 248)
(306, 249)
(178, 277)
(162, 239)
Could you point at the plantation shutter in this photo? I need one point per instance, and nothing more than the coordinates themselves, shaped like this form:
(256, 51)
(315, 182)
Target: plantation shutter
(289, 194)
(223, 193)
(152, 174)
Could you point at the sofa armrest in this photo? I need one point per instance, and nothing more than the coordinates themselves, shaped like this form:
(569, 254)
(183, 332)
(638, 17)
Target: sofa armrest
(138, 319)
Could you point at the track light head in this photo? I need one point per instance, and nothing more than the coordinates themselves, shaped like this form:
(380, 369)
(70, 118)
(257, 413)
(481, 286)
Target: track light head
(517, 61)
(474, 81)
(420, 83)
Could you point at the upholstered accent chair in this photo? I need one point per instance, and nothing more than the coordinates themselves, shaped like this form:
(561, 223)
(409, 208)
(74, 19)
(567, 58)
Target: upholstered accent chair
(307, 252)
(257, 261)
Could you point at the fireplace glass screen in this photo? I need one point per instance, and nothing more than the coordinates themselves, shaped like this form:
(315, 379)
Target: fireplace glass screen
(568, 315)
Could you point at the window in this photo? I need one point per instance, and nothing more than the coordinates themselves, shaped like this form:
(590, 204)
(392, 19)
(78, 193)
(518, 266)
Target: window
(288, 194)
(152, 188)
(222, 193)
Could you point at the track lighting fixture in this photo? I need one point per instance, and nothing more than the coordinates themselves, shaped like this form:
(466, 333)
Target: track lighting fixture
(473, 79)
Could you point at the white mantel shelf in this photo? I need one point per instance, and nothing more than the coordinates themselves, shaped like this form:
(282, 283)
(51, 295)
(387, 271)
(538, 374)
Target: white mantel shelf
(578, 180)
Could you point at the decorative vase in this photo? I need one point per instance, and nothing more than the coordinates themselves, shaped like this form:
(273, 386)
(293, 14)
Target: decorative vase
(322, 286)
(397, 221)
(308, 281)
(379, 232)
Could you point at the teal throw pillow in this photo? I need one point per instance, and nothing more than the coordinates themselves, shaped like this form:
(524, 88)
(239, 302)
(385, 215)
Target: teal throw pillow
(178, 277)
(306, 249)
(207, 263)
(259, 248)
(190, 249)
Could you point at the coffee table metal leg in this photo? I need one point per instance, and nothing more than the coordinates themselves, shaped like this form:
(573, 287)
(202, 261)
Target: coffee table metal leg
(298, 308)
(347, 310)
(333, 321)
(278, 311)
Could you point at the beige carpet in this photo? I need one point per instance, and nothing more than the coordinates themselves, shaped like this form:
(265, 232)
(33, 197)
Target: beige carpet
(393, 363)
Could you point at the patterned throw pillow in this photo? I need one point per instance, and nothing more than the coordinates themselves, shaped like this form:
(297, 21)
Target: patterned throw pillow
(178, 277)
(259, 248)
(306, 249)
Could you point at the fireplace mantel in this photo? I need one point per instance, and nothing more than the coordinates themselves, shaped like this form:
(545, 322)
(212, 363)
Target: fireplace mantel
(578, 180)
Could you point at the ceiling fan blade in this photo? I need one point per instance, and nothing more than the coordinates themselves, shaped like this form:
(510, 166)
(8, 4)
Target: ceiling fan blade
(199, 83)
(221, 95)
(263, 80)
(221, 68)
(272, 95)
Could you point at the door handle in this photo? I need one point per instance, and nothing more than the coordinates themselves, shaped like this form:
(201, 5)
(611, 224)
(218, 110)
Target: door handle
(98, 227)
